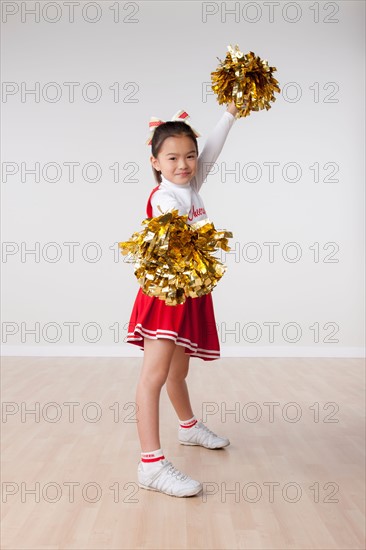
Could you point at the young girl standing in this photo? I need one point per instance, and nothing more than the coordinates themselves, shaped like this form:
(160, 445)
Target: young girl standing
(170, 335)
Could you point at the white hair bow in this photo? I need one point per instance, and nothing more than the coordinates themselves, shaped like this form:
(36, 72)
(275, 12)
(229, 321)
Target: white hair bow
(179, 115)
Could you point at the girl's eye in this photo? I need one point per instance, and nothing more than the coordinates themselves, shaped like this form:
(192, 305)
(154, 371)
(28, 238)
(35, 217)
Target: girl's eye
(190, 156)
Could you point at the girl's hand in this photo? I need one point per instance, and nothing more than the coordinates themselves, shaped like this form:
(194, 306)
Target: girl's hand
(231, 107)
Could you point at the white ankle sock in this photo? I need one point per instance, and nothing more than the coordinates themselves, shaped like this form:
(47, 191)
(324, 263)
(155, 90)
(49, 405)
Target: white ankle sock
(188, 423)
(151, 459)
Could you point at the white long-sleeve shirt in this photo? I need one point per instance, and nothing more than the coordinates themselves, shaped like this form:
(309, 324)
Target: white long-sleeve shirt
(185, 197)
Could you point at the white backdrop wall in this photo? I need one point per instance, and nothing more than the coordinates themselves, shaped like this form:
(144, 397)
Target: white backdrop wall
(65, 287)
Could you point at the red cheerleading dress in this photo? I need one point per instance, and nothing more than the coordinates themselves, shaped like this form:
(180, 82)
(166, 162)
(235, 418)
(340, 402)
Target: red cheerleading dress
(190, 325)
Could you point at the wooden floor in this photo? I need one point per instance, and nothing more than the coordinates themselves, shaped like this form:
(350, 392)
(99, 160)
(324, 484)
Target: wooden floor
(295, 480)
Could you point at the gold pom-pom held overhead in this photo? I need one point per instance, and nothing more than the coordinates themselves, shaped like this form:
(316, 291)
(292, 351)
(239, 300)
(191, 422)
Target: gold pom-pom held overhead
(245, 79)
(173, 260)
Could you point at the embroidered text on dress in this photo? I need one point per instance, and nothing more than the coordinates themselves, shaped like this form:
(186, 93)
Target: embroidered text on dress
(194, 213)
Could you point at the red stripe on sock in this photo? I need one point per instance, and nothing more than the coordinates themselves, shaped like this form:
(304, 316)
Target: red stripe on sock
(189, 425)
(152, 459)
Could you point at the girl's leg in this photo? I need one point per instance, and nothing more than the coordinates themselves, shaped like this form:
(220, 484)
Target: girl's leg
(155, 368)
(176, 385)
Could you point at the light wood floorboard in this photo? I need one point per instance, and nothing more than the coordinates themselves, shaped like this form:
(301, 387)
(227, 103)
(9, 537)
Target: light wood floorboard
(320, 458)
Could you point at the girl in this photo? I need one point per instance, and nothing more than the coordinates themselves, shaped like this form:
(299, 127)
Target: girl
(170, 335)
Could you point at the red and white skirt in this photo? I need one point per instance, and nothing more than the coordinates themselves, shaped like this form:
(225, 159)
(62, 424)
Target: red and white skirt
(191, 325)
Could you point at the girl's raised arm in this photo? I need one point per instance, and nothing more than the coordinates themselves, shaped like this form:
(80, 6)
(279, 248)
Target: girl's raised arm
(213, 146)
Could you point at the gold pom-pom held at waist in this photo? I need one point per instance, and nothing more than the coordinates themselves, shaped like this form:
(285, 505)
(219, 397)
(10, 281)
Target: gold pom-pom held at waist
(245, 79)
(174, 260)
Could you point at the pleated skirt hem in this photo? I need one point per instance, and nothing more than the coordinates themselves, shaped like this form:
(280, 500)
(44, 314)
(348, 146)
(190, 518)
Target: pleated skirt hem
(190, 325)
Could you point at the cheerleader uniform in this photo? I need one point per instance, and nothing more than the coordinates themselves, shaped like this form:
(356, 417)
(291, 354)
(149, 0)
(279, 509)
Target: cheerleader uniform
(192, 324)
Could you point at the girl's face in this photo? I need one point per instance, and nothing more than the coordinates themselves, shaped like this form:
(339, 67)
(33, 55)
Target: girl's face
(177, 159)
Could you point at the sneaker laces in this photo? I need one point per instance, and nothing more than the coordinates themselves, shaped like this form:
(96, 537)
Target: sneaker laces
(207, 430)
(175, 472)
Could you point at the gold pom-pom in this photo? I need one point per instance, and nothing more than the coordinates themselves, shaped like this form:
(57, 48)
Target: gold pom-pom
(245, 79)
(173, 259)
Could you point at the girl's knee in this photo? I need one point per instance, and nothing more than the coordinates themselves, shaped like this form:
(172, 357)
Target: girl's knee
(157, 357)
(179, 366)
(177, 377)
(178, 374)
(153, 380)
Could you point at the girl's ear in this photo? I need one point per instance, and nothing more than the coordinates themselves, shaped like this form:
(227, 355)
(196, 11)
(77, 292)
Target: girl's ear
(155, 163)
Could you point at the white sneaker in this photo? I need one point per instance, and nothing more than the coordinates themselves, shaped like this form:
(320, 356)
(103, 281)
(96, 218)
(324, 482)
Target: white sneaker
(167, 479)
(199, 434)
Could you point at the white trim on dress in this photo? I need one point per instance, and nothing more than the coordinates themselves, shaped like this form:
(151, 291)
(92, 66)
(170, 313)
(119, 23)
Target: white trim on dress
(170, 335)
